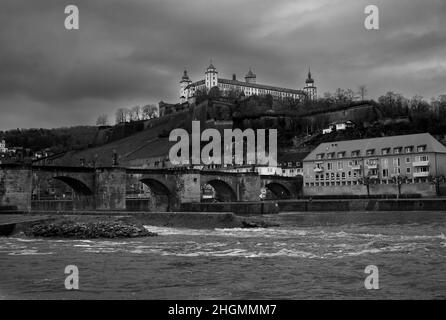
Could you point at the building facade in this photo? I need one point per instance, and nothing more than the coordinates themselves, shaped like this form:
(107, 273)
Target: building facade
(3, 148)
(248, 87)
(337, 167)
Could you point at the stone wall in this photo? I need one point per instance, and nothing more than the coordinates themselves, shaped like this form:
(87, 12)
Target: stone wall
(52, 205)
(423, 189)
(16, 187)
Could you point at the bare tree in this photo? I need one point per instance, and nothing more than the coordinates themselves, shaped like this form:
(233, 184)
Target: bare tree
(121, 115)
(362, 91)
(350, 94)
(135, 113)
(102, 120)
(149, 111)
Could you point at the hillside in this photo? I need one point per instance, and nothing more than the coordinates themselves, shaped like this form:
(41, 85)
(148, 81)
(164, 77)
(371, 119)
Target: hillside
(135, 149)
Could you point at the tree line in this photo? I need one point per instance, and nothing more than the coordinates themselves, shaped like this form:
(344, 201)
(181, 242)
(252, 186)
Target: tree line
(130, 114)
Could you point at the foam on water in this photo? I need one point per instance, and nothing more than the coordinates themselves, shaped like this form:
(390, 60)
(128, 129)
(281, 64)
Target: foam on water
(28, 252)
(237, 242)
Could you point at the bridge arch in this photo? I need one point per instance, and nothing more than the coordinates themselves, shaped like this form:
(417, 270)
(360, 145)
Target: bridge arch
(278, 190)
(160, 190)
(224, 191)
(78, 186)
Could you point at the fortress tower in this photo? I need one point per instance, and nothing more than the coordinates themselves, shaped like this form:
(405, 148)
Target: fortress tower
(185, 81)
(250, 77)
(310, 88)
(211, 77)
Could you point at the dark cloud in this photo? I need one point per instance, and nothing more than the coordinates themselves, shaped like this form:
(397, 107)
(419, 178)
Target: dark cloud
(133, 52)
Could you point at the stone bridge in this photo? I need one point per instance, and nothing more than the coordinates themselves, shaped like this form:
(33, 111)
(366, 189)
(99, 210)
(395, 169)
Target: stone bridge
(106, 188)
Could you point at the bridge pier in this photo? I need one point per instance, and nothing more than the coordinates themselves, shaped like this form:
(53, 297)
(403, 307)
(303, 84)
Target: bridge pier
(110, 189)
(16, 187)
(248, 187)
(188, 189)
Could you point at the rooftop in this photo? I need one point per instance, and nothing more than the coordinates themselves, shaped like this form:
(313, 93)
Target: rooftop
(260, 86)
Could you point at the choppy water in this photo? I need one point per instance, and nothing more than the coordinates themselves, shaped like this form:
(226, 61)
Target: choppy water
(291, 262)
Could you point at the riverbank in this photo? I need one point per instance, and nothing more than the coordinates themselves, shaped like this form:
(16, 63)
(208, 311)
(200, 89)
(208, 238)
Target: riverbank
(318, 205)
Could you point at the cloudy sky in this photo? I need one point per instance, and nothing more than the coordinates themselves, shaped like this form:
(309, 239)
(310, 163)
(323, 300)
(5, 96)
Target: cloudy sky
(130, 52)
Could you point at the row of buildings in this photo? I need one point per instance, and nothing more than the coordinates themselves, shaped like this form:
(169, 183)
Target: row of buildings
(14, 154)
(406, 164)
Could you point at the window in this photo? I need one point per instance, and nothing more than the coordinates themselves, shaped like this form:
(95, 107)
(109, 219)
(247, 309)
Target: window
(408, 170)
(421, 148)
(396, 162)
(340, 165)
(341, 155)
(355, 153)
(330, 155)
(423, 158)
(329, 166)
(370, 152)
(343, 175)
(385, 173)
(407, 159)
(385, 151)
(408, 149)
(319, 156)
(397, 150)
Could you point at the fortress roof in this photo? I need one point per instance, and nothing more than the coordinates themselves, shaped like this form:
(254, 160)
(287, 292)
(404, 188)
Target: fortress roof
(260, 86)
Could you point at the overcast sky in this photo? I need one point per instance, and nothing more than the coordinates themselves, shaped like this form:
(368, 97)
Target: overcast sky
(130, 52)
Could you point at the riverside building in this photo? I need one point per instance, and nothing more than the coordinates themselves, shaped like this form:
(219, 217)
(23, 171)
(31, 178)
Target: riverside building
(337, 168)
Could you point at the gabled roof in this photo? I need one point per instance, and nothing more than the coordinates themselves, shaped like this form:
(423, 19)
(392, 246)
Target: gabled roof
(415, 140)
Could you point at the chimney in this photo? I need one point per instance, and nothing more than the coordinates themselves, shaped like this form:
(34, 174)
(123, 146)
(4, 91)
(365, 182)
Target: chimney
(234, 77)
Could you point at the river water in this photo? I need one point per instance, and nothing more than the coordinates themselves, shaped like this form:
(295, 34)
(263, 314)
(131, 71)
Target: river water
(298, 260)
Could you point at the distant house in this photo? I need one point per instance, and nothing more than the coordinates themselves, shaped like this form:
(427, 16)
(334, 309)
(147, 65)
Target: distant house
(338, 126)
(3, 148)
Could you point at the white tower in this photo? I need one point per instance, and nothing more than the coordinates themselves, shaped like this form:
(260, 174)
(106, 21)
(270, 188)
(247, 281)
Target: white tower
(184, 92)
(310, 88)
(211, 77)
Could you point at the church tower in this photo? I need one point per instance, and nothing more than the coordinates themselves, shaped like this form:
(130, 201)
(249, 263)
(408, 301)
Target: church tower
(185, 81)
(310, 88)
(211, 77)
